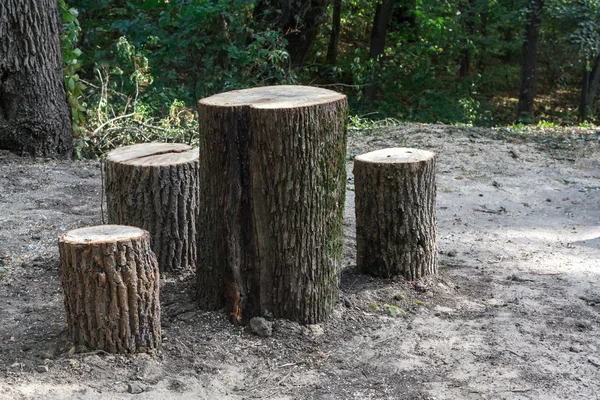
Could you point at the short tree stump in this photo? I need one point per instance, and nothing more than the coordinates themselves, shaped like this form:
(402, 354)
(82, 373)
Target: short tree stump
(154, 186)
(111, 285)
(396, 213)
(273, 177)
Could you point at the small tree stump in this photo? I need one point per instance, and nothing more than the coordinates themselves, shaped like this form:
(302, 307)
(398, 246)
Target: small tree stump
(396, 213)
(111, 285)
(154, 186)
(272, 169)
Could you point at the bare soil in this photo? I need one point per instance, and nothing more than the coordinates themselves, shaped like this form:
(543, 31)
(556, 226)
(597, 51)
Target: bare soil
(513, 314)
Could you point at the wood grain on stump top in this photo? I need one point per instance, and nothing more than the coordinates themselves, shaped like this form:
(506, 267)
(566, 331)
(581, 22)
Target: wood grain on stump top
(154, 154)
(396, 155)
(102, 234)
(273, 97)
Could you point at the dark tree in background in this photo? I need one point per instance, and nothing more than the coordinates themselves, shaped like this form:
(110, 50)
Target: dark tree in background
(468, 10)
(591, 77)
(378, 33)
(404, 19)
(34, 115)
(334, 38)
(299, 21)
(530, 46)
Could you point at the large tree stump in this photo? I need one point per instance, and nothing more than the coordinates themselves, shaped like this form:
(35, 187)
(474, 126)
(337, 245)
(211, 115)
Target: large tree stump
(111, 285)
(154, 186)
(272, 169)
(395, 213)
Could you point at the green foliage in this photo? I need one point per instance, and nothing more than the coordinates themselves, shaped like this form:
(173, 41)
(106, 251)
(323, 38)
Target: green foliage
(394, 311)
(584, 18)
(141, 67)
(143, 60)
(72, 60)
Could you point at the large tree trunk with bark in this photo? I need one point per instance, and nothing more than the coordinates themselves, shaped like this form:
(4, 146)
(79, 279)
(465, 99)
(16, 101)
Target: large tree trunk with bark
(154, 186)
(396, 213)
(272, 171)
(378, 33)
(35, 118)
(530, 45)
(111, 286)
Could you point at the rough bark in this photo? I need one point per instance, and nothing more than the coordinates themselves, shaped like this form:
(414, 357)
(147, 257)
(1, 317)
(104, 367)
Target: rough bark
(272, 169)
(334, 38)
(395, 213)
(154, 186)
(530, 45)
(35, 118)
(378, 33)
(111, 286)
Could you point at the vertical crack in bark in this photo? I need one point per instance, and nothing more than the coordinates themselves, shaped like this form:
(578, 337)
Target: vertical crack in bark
(281, 195)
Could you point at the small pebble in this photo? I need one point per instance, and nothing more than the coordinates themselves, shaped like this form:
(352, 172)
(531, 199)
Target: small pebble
(41, 368)
(575, 349)
(261, 327)
(134, 388)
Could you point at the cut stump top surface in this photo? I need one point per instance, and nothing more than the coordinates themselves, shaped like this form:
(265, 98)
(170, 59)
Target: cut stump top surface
(102, 234)
(274, 97)
(396, 155)
(154, 154)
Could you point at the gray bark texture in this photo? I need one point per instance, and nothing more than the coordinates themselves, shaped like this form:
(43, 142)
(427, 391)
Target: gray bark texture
(35, 118)
(154, 186)
(272, 169)
(111, 285)
(396, 213)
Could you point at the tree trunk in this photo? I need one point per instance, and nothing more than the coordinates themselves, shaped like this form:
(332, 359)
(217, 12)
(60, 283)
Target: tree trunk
(272, 169)
(530, 45)
(35, 118)
(334, 38)
(154, 186)
(111, 286)
(468, 20)
(395, 213)
(484, 15)
(300, 22)
(378, 33)
(589, 88)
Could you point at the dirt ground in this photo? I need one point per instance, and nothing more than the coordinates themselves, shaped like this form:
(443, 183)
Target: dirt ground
(513, 314)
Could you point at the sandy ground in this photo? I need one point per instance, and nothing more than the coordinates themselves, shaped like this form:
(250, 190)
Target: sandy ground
(513, 313)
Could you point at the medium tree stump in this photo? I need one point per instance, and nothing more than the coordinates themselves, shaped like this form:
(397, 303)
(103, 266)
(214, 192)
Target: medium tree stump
(154, 186)
(111, 285)
(272, 169)
(395, 213)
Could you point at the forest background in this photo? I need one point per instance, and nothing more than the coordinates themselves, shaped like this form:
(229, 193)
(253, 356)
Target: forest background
(134, 70)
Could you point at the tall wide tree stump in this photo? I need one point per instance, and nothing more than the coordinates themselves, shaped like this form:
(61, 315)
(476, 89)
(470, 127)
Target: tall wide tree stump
(111, 286)
(396, 213)
(154, 186)
(272, 169)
